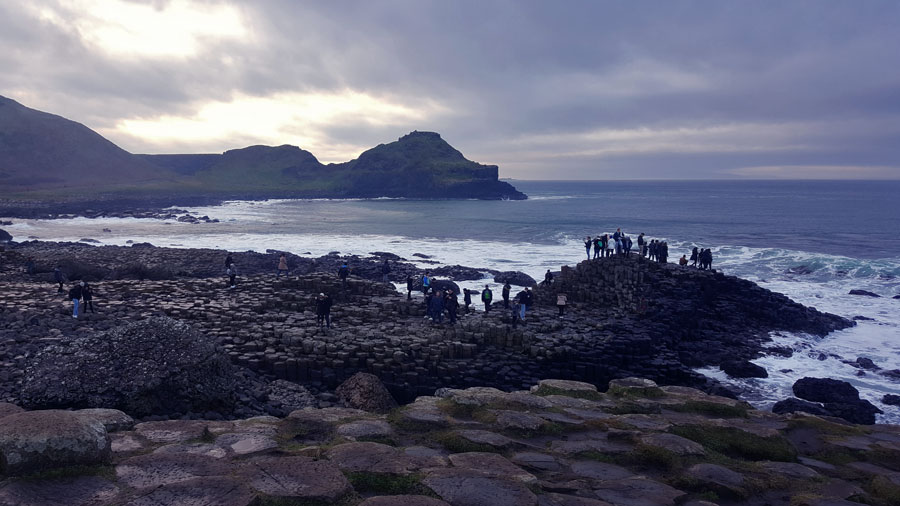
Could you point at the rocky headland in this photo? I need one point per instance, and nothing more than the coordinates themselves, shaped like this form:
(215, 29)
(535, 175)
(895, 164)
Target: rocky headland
(178, 390)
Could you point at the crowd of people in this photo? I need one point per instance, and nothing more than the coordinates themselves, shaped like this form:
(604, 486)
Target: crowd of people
(619, 243)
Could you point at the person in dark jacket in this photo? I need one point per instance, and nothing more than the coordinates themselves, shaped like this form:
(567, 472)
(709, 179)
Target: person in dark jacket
(385, 270)
(29, 266)
(598, 247)
(75, 295)
(87, 295)
(343, 272)
(548, 277)
(437, 307)
(467, 300)
(323, 310)
(487, 296)
(520, 304)
(515, 310)
(695, 255)
(505, 292)
(409, 286)
(642, 245)
(452, 305)
(59, 278)
(663, 252)
(587, 246)
(228, 261)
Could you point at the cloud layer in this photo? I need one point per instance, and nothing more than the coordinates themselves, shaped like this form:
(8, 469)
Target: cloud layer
(572, 90)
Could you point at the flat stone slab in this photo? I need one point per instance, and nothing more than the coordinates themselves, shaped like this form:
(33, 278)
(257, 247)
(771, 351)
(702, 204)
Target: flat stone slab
(113, 419)
(518, 421)
(538, 461)
(171, 431)
(211, 491)
(7, 409)
(638, 491)
(589, 414)
(565, 386)
(204, 449)
(296, 478)
(159, 469)
(246, 444)
(491, 464)
(552, 499)
(589, 445)
(485, 437)
(645, 422)
(422, 456)
(791, 470)
(365, 428)
(329, 415)
(599, 470)
(370, 457)
(673, 443)
(124, 443)
(405, 500)
(716, 476)
(80, 491)
(561, 418)
(465, 487)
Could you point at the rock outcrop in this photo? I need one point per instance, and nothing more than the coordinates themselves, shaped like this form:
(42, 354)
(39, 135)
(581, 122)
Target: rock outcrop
(150, 367)
(838, 398)
(37, 440)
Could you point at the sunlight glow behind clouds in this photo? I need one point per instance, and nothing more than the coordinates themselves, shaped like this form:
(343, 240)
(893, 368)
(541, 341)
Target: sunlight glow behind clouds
(121, 28)
(294, 118)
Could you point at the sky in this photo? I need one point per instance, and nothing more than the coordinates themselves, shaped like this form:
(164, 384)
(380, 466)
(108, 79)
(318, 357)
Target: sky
(574, 89)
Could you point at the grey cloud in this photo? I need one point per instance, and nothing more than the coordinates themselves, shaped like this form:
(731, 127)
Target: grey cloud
(511, 70)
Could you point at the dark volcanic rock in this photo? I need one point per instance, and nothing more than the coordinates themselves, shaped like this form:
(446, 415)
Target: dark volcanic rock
(864, 292)
(825, 390)
(866, 363)
(5, 236)
(514, 278)
(891, 400)
(365, 391)
(840, 399)
(156, 366)
(744, 369)
(793, 405)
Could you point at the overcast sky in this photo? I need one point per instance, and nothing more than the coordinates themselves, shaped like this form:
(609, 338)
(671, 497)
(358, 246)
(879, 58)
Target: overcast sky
(546, 90)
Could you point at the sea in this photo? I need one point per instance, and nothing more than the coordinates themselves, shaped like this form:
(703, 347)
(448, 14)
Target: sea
(813, 241)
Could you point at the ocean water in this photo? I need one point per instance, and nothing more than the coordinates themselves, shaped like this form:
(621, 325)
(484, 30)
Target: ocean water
(813, 241)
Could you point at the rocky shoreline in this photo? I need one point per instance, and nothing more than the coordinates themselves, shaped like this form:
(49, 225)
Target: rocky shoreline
(627, 317)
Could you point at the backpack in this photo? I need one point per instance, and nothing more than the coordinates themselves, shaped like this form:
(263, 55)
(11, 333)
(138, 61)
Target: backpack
(487, 295)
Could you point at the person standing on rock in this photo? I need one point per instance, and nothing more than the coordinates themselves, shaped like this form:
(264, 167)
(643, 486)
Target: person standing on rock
(626, 241)
(467, 300)
(29, 266)
(520, 305)
(516, 310)
(526, 301)
(598, 247)
(487, 296)
(343, 272)
(663, 252)
(87, 295)
(385, 271)
(59, 278)
(323, 311)
(505, 293)
(642, 245)
(548, 278)
(437, 307)
(695, 255)
(282, 266)
(228, 261)
(452, 305)
(409, 286)
(232, 275)
(426, 283)
(606, 249)
(75, 295)
(587, 246)
(561, 300)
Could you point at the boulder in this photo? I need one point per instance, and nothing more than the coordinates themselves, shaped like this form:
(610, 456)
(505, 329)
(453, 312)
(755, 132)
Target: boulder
(5, 236)
(864, 292)
(514, 278)
(162, 366)
(7, 409)
(744, 369)
(891, 399)
(793, 405)
(39, 440)
(825, 390)
(365, 391)
(866, 363)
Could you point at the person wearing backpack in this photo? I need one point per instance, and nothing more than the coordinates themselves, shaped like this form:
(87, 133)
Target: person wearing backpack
(343, 272)
(487, 296)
